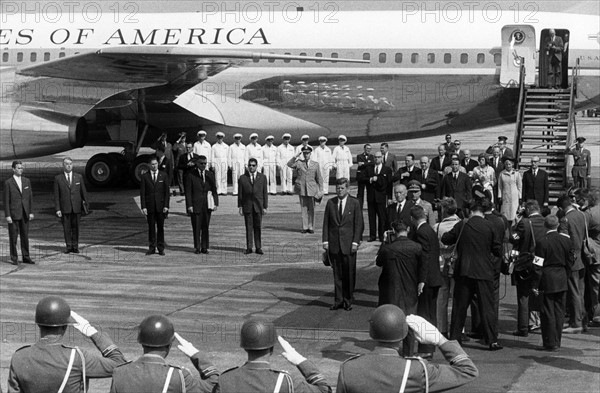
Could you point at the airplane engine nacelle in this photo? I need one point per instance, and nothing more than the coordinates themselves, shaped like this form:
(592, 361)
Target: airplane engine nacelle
(33, 132)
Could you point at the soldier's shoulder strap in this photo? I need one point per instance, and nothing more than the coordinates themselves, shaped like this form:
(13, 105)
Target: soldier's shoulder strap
(230, 369)
(283, 375)
(23, 347)
(352, 358)
(420, 360)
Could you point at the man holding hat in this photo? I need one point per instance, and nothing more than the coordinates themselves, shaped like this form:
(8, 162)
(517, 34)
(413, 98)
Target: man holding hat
(220, 154)
(505, 152)
(324, 158)
(582, 165)
(414, 192)
(384, 370)
(254, 150)
(304, 142)
(285, 152)
(308, 185)
(41, 367)
(236, 160)
(151, 370)
(270, 164)
(202, 147)
(342, 158)
(257, 338)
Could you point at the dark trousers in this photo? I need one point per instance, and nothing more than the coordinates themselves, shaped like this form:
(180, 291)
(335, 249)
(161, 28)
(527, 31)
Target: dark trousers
(156, 223)
(253, 223)
(361, 193)
(376, 219)
(575, 307)
(552, 318)
(464, 290)
(344, 277)
(200, 222)
(70, 222)
(19, 228)
(476, 325)
(523, 292)
(427, 308)
(180, 173)
(592, 287)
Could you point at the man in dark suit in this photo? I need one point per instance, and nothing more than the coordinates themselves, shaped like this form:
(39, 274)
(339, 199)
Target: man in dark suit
(253, 201)
(429, 181)
(364, 160)
(467, 162)
(376, 178)
(164, 164)
(69, 196)
(474, 272)
(457, 151)
(408, 172)
(185, 163)
(18, 211)
(342, 233)
(535, 183)
(400, 210)
(427, 238)
(201, 199)
(440, 162)
(154, 199)
(554, 49)
(457, 185)
(449, 145)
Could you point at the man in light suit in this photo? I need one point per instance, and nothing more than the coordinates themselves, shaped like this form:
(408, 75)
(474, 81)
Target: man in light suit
(342, 233)
(308, 185)
(253, 200)
(414, 194)
(554, 49)
(154, 199)
(18, 204)
(457, 185)
(535, 183)
(198, 184)
(429, 181)
(69, 196)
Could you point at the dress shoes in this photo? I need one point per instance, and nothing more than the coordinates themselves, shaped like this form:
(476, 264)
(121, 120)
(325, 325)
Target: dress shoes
(29, 261)
(161, 252)
(475, 335)
(310, 231)
(464, 338)
(247, 251)
(371, 239)
(520, 333)
(196, 251)
(259, 251)
(335, 307)
(14, 262)
(67, 251)
(495, 347)
(204, 251)
(151, 251)
(550, 349)
(347, 307)
(75, 251)
(573, 330)
(303, 231)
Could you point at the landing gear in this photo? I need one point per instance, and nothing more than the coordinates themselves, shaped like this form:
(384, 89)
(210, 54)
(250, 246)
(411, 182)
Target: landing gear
(138, 167)
(102, 170)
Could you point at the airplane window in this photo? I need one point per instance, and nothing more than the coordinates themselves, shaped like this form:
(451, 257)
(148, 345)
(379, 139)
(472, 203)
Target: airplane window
(46, 56)
(319, 54)
(334, 55)
(20, 57)
(497, 58)
(33, 57)
(61, 54)
(382, 57)
(271, 60)
(414, 58)
(366, 56)
(464, 58)
(5, 57)
(447, 58)
(480, 58)
(302, 54)
(398, 58)
(254, 60)
(431, 58)
(287, 60)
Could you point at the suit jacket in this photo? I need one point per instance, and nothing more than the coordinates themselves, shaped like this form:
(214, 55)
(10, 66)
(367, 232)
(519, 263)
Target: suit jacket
(415, 174)
(182, 163)
(575, 222)
(536, 187)
(15, 201)
(196, 190)
(253, 197)
(391, 161)
(427, 238)
(439, 165)
(364, 160)
(525, 242)
(552, 275)
(459, 190)
(308, 177)
(432, 181)
(377, 191)
(476, 249)
(470, 166)
(497, 168)
(69, 199)
(403, 215)
(559, 45)
(154, 196)
(166, 165)
(342, 233)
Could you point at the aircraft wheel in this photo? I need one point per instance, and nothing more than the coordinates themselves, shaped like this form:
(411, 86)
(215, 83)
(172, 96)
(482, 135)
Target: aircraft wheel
(123, 169)
(102, 170)
(138, 167)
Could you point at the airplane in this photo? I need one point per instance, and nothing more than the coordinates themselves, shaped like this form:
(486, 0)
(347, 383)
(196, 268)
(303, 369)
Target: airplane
(121, 73)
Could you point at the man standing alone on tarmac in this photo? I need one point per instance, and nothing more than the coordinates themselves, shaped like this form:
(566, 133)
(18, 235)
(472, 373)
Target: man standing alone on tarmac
(69, 196)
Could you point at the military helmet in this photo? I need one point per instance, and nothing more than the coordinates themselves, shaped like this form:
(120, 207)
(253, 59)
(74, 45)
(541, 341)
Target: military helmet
(156, 331)
(388, 324)
(257, 334)
(53, 311)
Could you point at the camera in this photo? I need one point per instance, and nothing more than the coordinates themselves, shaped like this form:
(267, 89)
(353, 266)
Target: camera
(389, 237)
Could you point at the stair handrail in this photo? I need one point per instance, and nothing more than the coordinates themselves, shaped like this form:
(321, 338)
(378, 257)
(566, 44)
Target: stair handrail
(520, 110)
(571, 127)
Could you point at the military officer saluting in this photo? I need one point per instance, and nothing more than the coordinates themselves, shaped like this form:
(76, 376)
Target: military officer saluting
(384, 370)
(151, 373)
(582, 165)
(257, 337)
(50, 365)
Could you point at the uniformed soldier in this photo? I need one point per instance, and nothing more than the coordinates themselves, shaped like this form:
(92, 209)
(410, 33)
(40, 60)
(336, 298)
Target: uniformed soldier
(257, 337)
(582, 165)
(50, 365)
(254, 150)
(152, 373)
(384, 370)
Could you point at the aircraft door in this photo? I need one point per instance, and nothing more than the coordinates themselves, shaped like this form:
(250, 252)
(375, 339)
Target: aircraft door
(518, 41)
(558, 56)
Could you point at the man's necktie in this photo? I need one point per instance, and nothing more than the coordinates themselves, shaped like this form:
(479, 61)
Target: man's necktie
(377, 170)
(69, 179)
(154, 177)
(340, 210)
(252, 179)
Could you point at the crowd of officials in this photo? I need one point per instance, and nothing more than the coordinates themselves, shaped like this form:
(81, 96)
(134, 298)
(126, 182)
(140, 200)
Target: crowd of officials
(442, 223)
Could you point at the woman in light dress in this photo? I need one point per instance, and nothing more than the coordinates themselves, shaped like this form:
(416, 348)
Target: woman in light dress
(510, 185)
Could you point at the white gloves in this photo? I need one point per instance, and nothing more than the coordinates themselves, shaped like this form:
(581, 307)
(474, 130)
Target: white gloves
(425, 332)
(290, 353)
(83, 325)
(186, 346)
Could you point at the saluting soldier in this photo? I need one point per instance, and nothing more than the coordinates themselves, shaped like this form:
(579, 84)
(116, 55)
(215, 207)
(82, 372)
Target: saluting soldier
(257, 337)
(384, 370)
(582, 165)
(41, 367)
(152, 373)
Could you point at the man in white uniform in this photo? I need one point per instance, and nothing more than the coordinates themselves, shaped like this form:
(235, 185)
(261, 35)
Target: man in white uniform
(254, 150)
(236, 160)
(270, 164)
(285, 152)
(342, 159)
(299, 148)
(323, 156)
(220, 153)
(202, 147)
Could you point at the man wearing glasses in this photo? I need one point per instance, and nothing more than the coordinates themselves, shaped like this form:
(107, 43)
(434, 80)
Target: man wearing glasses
(253, 200)
(308, 186)
(535, 183)
(201, 199)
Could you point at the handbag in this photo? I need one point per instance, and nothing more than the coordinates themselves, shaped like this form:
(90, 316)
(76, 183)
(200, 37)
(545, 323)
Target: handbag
(325, 258)
(450, 260)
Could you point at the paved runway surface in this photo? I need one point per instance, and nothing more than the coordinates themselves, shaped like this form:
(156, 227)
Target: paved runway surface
(114, 285)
